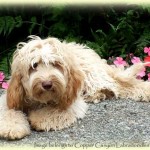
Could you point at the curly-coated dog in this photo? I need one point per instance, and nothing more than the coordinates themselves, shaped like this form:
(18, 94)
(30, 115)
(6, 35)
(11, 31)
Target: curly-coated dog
(51, 81)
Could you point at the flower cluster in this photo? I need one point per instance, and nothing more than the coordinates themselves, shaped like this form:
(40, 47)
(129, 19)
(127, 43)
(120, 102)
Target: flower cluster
(3, 84)
(145, 72)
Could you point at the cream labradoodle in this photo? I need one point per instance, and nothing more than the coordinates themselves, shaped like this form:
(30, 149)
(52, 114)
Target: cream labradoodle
(51, 81)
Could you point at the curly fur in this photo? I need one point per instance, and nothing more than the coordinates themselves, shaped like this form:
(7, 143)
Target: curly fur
(51, 81)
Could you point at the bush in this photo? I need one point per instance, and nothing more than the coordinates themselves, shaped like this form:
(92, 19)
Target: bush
(109, 30)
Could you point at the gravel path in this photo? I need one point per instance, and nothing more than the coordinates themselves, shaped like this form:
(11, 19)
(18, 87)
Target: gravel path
(109, 123)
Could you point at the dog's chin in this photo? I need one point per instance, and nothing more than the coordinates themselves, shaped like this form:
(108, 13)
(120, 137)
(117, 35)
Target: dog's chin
(47, 96)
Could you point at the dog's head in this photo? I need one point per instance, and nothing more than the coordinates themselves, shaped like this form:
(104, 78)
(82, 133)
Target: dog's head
(44, 71)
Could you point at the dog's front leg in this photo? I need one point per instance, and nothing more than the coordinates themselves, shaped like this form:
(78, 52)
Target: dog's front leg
(13, 124)
(49, 118)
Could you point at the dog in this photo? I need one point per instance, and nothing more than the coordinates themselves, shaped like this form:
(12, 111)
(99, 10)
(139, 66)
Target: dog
(52, 81)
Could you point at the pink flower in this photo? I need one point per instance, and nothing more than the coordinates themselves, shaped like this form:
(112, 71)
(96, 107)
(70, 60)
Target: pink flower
(135, 60)
(2, 76)
(5, 85)
(146, 60)
(147, 50)
(148, 76)
(141, 73)
(120, 62)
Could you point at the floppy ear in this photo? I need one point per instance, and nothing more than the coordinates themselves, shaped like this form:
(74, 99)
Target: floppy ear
(75, 80)
(15, 92)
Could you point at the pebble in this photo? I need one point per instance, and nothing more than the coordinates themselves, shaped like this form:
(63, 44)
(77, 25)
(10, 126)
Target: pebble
(115, 125)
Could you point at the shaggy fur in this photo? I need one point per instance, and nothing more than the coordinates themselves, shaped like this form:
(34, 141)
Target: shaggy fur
(51, 81)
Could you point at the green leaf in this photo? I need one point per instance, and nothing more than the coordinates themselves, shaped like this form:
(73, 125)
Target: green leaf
(33, 21)
(2, 25)
(18, 22)
(97, 38)
(130, 12)
(9, 25)
(41, 28)
(121, 25)
(112, 27)
(4, 65)
(101, 32)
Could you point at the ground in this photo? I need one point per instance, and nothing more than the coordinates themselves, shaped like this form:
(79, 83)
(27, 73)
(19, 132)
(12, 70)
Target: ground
(109, 123)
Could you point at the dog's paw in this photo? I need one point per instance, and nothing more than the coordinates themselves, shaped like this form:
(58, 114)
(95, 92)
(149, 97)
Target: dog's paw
(14, 125)
(100, 95)
(47, 119)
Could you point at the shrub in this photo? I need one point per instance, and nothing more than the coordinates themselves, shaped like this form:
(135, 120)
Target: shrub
(109, 30)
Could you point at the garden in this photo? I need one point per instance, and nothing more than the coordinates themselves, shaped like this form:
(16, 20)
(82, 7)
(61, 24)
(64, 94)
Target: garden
(119, 34)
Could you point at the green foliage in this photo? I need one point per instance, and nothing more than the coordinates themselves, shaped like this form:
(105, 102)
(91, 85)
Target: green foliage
(4, 66)
(110, 30)
(33, 24)
(129, 33)
(8, 23)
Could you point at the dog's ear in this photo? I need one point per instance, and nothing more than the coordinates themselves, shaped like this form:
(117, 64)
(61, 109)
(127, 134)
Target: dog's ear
(75, 81)
(15, 92)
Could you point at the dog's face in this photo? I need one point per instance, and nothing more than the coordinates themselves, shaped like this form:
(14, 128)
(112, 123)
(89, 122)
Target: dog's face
(45, 82)
(42, 70)
(47, 77)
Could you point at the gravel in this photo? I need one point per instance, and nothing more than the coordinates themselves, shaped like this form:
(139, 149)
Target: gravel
(112, 123)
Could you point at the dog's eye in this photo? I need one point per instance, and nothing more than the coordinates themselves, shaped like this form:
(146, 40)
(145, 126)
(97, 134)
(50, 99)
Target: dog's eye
(58, 66)
(35, 65)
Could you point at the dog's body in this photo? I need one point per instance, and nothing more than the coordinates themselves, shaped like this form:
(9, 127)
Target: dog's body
(51, 80)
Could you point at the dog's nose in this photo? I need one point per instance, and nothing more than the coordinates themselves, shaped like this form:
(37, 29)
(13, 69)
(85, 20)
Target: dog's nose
(47, 85)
